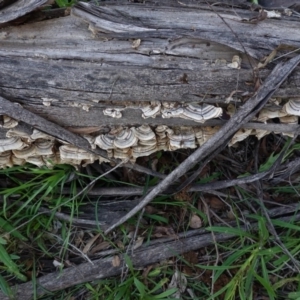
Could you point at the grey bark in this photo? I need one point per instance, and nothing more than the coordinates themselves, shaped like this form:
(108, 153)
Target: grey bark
(17, 9)
(87, 58)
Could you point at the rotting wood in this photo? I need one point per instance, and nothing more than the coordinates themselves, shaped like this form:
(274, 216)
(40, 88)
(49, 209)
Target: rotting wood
(72, 65)
(89, 66)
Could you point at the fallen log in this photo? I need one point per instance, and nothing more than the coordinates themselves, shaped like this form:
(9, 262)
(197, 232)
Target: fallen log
(122, 65)
(113, 65)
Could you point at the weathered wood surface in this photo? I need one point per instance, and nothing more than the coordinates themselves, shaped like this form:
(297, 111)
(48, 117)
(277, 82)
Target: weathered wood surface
(18, 8)
(88, 58)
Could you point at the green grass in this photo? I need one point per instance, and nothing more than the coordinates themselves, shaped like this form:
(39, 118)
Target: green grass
(68, 3)
(251, 262)
(65, 3)
(255, 261)
(20, 221)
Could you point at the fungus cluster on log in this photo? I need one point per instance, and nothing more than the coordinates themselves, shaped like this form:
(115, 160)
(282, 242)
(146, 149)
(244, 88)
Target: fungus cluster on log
(129, 143)
(156, 87)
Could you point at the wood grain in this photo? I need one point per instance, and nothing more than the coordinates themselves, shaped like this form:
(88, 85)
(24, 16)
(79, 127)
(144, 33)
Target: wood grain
(62, 59)
(19, 8)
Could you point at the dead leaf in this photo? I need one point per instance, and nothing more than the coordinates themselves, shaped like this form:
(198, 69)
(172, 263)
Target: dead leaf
(260, 17)
(120, 245)
(57, 264)
(138, 243)
(146, 271)
(160, 231)
(68, 263)
(191, 257)
(78, 238)
(268, 59)
(152, 210)
(99, 247)
(195, 222)
(130, 234)
(90, 243)
(231, 215)
(116, 261)
(215, 203)
(178, 281)
(183, 196)
(154, 164)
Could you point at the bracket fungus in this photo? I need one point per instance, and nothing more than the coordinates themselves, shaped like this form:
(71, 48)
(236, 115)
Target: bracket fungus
(293, 120)
(8, 122)
(259, 133)
(5, 159)
(151, 110)
(105, 141)
(44, 147)
(145, 135)
(197, 113)
(70, 154)
(203, 134)
(15, 132)
(139, 151)
(292, 107)
(270, 113)
(113, 112)
(36, 134)
(289, 120)
(125, 139)
(91, 140)
(13, 143)
(239, 136)
(181, 138)
(172, 112)
(26, 152)
(235, 63)
(129, 143)
(17, 161)
(162, 139)
(122, 153)
(36, 160)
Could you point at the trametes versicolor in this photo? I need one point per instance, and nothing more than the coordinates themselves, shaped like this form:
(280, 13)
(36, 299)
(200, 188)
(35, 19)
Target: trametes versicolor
(132, 142)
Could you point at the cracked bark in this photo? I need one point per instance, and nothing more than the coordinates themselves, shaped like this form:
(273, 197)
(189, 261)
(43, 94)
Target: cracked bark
(63, 61)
